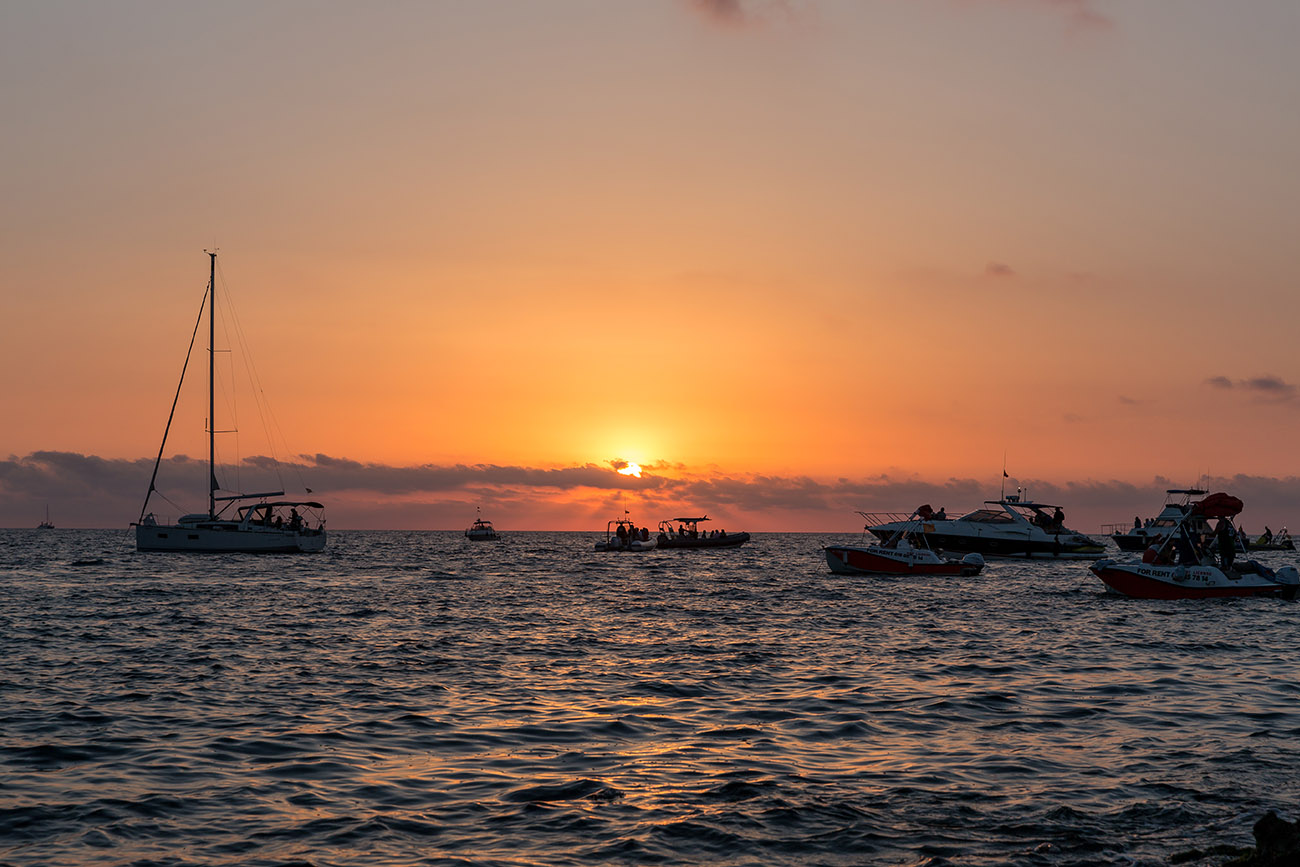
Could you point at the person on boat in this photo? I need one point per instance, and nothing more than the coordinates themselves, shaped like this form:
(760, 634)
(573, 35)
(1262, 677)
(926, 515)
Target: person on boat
(278, 522)
(1227, 543)
(1137, 523)
(622, 535)
(1058, 518)
(1266, 536)
(295, 520)
(940, 515)
(645, 534)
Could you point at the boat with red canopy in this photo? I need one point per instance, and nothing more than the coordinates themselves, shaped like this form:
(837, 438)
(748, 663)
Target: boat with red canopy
(1190, 564)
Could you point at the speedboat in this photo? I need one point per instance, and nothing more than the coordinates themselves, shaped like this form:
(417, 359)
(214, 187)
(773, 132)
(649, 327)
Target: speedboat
(688, 535)
(1154, 531)
(265, 527)
(905, 552)
(481, 531)
(1010, 527)
(1269, 541)
(1184, 566)
(623, 535)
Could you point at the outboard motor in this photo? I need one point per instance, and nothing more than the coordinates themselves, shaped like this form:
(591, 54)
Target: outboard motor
(973, 563)
(1289, 578)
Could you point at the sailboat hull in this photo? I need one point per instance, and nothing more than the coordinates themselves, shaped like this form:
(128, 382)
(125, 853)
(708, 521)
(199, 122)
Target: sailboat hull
(229, 538)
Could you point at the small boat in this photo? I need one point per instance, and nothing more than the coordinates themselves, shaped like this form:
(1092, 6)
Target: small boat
(687, 535)
(906, 552)
(623, 535)
(1269, 541)
(1010, 527)
(264, 527)
(49, 525)
(1184, 566)
(1154, 531)
(481, 531)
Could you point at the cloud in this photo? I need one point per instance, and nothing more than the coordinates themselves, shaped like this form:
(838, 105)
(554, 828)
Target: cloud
(1271, 385)
(742, 13)
(720, 11)
(1081, 14)
(998, 269)
(89, 491)
(1267, 387)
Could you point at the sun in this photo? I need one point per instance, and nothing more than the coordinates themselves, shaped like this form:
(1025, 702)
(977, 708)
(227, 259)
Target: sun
(632, 469)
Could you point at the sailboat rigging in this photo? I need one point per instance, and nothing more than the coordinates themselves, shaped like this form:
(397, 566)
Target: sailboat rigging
(266, 526)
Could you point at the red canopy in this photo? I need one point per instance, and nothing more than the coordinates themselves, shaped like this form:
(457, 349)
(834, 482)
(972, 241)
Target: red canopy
(1219, 506)
(925, 512)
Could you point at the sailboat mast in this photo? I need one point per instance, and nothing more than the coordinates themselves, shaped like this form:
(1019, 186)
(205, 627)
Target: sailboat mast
(212, 391)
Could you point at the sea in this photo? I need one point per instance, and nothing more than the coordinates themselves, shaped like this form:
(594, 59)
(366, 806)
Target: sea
(414, 698)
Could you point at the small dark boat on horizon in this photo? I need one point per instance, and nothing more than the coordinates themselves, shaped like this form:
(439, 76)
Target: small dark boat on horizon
(688, 535)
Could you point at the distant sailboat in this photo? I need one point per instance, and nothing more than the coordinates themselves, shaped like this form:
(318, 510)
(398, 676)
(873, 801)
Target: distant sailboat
(46, 524)
(260, 528)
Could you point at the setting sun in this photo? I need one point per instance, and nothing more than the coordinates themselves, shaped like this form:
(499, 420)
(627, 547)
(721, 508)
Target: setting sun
(631, 469)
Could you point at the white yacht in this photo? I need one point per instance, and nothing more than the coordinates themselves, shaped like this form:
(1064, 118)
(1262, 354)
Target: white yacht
(1010, 527)
(1154, 531)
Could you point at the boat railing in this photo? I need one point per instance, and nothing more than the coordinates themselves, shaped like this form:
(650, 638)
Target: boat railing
(875, 519)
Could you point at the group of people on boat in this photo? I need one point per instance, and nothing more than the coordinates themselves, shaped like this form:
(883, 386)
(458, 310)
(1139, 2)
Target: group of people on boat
(1265, 538)
(1191, 546)
(692, 532)
(278, 523)
(629, 533)
(1051, 523)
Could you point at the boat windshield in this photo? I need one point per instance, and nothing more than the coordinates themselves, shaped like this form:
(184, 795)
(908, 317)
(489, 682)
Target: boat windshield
(988, 516)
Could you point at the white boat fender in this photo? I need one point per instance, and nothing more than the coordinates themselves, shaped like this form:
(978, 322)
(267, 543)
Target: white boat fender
(1180, 572)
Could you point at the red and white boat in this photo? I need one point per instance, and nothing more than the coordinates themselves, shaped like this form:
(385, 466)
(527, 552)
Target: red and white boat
(905, 552)
(1184, 566)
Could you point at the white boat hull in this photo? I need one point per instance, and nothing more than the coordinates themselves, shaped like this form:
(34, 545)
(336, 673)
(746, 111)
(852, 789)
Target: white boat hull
(879, 560)
(227, 538)
(615, 545)
(1153, 581)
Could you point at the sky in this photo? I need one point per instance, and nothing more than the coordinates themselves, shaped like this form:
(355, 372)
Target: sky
(792, 258)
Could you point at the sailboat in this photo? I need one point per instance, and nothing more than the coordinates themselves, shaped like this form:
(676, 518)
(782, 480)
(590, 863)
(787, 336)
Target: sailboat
(46, 524)
(263, 527)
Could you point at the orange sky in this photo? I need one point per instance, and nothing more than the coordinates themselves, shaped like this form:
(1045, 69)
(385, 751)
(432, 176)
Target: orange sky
(789, 240)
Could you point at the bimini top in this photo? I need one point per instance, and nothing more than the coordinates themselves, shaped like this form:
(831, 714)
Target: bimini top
(1218, 506)
(309, 505)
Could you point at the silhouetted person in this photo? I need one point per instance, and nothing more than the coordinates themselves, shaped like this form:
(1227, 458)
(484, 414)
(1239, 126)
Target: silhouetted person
(1227, 543)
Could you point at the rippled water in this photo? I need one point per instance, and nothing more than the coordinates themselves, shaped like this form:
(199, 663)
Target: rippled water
(414, 698)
